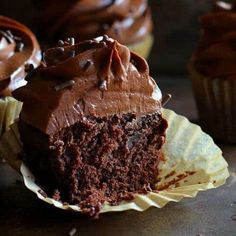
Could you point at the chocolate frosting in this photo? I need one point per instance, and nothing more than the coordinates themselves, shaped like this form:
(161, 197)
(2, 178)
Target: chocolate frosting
(97, 77)
(127, 21)
(18, 47)
(216, 54)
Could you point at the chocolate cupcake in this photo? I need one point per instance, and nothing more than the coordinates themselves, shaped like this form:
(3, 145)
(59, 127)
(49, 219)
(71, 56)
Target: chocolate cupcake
(18, 48)
(96, 133)
(213, 72)
(127, 21)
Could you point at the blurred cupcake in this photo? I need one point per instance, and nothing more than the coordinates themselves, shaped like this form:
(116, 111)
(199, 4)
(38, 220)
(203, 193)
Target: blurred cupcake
(127, 21)
(18, 48)
(213, 72)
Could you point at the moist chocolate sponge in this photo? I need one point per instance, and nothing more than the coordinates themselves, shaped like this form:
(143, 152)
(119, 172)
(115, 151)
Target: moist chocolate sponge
(97, 159)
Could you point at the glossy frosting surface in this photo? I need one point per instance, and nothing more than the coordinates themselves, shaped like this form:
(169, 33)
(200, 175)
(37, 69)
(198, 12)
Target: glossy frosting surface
(97, 77)
(18, 47)
(216, 53)
(127, 21)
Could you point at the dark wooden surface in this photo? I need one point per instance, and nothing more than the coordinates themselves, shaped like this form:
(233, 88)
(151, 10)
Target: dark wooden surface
(211, 213)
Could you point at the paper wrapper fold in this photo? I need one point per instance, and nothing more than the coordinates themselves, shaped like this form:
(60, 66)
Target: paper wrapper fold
(215, 99)
(9, 110)
(143, 48)
(191, 163)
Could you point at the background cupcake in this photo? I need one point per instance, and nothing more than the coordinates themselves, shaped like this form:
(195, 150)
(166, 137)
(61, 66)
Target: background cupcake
(213, 72)
(128, 21)
(18, 49)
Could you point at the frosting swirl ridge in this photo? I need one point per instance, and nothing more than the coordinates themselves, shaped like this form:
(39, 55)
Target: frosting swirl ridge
(127, 21)
(216, 53)
(18, 47)
(97, 77)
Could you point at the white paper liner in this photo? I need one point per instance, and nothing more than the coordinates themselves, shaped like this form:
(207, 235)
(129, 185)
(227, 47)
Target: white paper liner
(192, 163)
(9, 110)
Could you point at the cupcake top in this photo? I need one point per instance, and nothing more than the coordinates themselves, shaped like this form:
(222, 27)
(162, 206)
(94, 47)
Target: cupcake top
(18, 48)
(216, 55)
(127, 21)
(98, 77)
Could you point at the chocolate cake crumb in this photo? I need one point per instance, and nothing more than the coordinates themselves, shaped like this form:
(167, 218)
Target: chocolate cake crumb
(99, 159)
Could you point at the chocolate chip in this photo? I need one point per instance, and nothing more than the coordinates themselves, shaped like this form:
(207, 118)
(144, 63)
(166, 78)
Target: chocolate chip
(63, 85)
(103, 85)
(19, 47)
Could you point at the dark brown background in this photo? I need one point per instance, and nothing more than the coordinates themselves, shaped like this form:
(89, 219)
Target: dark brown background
(211, 213)
(176, 30)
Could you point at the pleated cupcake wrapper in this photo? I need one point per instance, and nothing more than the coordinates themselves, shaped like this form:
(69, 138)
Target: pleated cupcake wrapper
(215, 99)
(9, 110)
(191, 163)
(143, 48)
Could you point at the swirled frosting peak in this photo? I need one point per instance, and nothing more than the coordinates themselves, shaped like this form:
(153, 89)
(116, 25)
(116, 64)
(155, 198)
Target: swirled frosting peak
(98, 77)
(18, 47)
(128, 21)
(215, 56)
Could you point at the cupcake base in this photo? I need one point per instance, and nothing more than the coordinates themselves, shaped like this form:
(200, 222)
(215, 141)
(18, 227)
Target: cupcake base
(97, 159)
(144, 47)
(215, 100)
(191, 163)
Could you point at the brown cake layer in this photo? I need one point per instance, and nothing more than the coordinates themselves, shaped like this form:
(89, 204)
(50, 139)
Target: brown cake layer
(97, 159)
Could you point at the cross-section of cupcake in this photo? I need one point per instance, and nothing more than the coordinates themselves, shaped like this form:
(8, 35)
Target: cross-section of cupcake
(91, 124)
(18, 48)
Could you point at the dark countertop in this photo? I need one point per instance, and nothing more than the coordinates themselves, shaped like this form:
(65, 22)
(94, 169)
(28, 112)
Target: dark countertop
(211, 213)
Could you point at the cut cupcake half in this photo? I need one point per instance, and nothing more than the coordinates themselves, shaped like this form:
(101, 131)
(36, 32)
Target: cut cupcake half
(91, 124)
